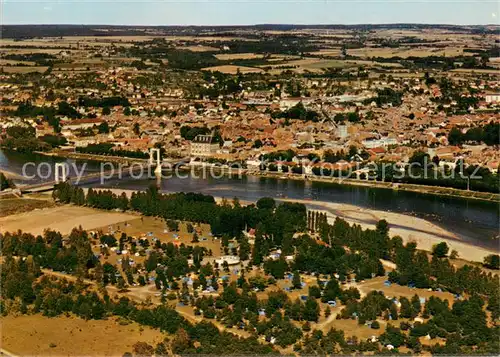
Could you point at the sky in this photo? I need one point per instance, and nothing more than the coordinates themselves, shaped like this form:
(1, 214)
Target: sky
(249, 12)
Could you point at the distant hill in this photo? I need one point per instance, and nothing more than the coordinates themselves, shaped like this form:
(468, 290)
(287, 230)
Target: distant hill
(34, 31)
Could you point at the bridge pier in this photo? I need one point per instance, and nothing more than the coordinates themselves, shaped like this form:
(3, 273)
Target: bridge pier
(152, 153)
(64, 172)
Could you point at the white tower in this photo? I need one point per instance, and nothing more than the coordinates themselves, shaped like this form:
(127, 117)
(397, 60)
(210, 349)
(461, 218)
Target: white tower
(64, 172)
(152, 152)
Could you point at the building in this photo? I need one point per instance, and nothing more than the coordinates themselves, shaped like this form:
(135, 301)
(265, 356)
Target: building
(342, 132)
(80, 124)
(382, 142)
(230, 259)
(204, 146)
(492, 98)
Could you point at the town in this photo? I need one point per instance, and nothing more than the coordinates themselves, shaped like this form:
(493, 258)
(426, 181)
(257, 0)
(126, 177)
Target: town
(406, 113)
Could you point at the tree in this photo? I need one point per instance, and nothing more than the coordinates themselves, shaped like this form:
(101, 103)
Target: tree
(257, 144)
(383, 227)
(492, 261)
(266, 203)
(296, 282)
(143, 349)
(136, 129)
(173, 225)
(181, 341)
(4, 182)
(455, 136)
(406, 309)
(276, 268)
(393, 336)
(328, 312)
(420, 157)
(260, 248)
(314, 291)
(141, 280)
(417, 306)
(440, 250)
(332, 291)
(244, 249)
(311, 310)
(103, 128)
(106, 111)
(195, 238)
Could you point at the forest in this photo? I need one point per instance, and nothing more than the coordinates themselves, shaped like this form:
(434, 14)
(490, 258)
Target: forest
(334, 252)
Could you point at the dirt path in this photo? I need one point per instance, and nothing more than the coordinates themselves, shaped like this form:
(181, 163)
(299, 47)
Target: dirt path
(329, 320)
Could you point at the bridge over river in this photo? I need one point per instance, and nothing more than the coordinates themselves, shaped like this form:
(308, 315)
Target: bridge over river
(131, 168)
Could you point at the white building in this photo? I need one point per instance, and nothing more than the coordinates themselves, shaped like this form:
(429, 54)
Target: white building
(230, 259)
(203, 146)
(376, 143)
(342, 131)
(492, 98)
(80, 124)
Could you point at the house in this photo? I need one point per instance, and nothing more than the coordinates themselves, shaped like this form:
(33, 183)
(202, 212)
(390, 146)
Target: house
(382, 142)
(204, 146)
(493, 166)
(229, 259)
(253, 165)
(80, 124)
(492, 98)
(342, 132)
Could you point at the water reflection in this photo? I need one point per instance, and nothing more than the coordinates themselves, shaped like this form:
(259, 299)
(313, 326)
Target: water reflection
(475, 221)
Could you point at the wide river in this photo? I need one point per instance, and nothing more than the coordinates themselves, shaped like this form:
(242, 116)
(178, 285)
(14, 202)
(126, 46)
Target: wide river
(474, 221)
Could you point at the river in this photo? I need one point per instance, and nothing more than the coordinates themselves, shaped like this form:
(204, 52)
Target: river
(473, 221)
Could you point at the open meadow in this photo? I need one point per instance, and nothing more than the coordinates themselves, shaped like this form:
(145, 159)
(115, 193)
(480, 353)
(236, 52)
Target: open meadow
(62, 219)
(37, 335)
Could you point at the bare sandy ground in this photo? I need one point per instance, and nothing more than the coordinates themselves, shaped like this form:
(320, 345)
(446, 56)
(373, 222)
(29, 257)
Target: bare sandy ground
(37, 335)
(62, 219)
(411, 229)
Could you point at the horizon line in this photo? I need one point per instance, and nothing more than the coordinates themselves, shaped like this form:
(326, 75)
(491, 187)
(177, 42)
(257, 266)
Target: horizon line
(257, 24)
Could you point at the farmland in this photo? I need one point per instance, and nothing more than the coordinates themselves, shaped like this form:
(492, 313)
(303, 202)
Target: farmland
(357, 227)
(57, 336)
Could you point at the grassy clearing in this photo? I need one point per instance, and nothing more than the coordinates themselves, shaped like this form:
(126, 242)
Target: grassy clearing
(405, 52)
(234, 56)
(198, 48)
(61, 218)
(230, 69)
(24, 69)
(32, 335)
(10, 206)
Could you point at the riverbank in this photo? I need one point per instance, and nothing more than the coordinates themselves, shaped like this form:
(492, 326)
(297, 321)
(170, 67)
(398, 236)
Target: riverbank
(12, 175)
(411, 229)
(91, 157)
(422, 189)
